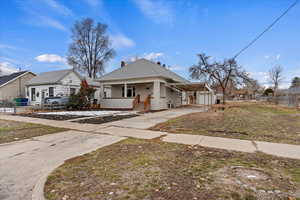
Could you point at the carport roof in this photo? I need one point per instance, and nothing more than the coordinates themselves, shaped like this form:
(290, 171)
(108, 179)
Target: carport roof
(191, 86)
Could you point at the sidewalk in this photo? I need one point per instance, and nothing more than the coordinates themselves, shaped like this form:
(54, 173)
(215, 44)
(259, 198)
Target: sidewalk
(26, 164)
(276, 149)
(135, 127)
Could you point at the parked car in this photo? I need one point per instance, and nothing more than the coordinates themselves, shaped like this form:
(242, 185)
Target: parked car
(56, 102)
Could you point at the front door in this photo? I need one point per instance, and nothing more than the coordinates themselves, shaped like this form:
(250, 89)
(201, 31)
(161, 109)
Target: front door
(43, 97)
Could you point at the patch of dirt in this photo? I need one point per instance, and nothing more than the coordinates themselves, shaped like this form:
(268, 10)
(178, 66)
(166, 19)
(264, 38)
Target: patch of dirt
(105, 119)
(146, 170)
(52, 117)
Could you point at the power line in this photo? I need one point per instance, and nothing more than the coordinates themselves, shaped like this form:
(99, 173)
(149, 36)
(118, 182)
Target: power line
(267, 29)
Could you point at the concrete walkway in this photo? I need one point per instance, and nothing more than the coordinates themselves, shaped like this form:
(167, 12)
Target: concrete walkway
(276, 149)
(144, 121)
(148, 120)
(25, 165)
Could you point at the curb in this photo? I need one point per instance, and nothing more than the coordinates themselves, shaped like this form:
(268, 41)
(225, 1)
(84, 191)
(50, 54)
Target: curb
(38, 189)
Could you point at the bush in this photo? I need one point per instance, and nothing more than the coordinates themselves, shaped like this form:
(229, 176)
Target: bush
(83, 98)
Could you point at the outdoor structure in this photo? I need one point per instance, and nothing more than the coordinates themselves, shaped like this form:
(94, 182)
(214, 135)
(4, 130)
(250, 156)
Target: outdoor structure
(13, 85)
(56, 83)
(145, 85)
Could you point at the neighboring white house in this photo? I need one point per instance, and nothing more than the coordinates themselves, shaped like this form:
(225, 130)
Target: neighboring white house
(56, 83)
(145, 83)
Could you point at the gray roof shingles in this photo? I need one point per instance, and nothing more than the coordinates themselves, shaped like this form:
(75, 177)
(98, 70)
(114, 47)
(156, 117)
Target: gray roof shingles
(7, 78)
(142, 68)
(52, 77)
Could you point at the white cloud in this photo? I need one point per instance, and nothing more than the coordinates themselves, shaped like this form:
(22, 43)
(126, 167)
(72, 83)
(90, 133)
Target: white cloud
(273, 57)
(6, 68)
(153, 55)
(50, 58)
(37, 13)
(149, 56)
(48, 21)
(93, 3)
(158, 11)
(60, 8)
(5, 46)
(261, 77)
(176, 68)
(121, 41)
(278, 56)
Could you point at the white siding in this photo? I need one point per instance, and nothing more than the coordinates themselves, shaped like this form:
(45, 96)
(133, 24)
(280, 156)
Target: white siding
(71, 79)
(205, 98)
(117, 103)
(161, 95)
(62, 89)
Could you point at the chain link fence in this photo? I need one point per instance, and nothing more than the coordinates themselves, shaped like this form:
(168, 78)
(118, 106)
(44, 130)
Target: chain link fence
(7, 106)
(290, 100)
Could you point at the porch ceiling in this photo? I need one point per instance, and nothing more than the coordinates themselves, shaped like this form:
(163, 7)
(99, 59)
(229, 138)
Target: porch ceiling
(190, 86)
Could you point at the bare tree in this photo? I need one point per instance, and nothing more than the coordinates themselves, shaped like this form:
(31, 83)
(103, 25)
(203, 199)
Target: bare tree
(90, 49)
(218, 73)
(276, 77)
(253, 87)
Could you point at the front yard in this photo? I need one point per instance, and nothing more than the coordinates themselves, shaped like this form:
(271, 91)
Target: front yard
(151, 169)
(251, 121)
(13, 131)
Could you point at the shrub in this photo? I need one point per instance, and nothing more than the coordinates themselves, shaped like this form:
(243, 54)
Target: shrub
(83, 98)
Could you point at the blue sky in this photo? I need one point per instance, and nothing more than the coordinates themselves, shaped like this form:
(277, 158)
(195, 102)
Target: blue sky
(35, 34)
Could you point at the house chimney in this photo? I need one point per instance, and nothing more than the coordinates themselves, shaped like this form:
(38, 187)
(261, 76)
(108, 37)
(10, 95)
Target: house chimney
(123, 63)
(158, 63)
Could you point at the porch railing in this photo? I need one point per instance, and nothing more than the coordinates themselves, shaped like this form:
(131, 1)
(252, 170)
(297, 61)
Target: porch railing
(136, 101)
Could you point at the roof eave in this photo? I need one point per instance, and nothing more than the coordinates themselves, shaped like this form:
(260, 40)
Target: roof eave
(27, 72)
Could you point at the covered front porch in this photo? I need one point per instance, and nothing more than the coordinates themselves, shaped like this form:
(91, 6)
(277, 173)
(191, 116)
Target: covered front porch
(140, 95)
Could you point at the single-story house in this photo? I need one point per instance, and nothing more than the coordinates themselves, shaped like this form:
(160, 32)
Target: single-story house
(56, 83)
(145, 85)
(13, 85)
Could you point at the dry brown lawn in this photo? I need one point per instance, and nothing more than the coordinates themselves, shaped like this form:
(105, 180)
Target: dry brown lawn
(251, 121)
(153, 170)
(13, 131)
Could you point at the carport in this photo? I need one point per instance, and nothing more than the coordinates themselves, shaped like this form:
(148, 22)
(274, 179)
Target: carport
(195, 93)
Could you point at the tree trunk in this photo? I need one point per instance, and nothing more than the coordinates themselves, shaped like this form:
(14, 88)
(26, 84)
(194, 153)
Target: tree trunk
(224, 96)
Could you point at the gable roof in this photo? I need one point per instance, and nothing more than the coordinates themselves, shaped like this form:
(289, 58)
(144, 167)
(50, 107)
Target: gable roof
(7, 78)
(142, 68)
(52, 77)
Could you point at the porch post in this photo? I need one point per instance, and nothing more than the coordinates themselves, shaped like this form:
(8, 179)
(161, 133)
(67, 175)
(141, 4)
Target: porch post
(125, 90)
(101, 91)
(156, 89)
(156, 95)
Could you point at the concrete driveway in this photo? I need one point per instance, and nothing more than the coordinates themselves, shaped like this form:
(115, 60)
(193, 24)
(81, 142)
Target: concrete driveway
(148, 120)
(24, 165)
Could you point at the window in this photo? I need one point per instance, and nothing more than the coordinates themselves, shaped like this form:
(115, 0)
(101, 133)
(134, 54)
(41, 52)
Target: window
(33, 97)
(130, 91)
(51, 91)
(72, 91)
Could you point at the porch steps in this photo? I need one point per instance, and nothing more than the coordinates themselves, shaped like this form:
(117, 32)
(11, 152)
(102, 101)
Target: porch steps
(139, 106)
